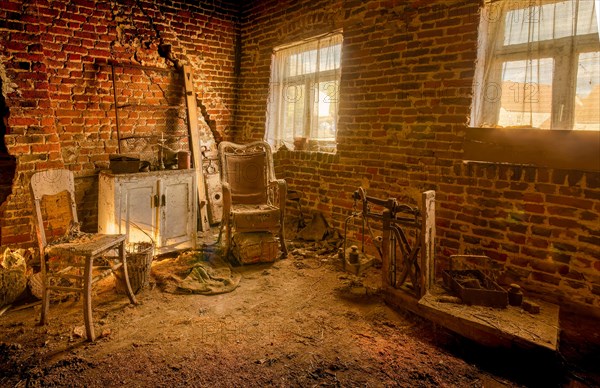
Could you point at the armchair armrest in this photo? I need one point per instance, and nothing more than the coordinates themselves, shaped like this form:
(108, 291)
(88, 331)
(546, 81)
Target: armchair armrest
(278, 189)
(226, 188)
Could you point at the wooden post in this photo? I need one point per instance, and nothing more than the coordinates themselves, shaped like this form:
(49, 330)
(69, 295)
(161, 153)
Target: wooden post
(427, 263)
(386, 266)
(190, 98)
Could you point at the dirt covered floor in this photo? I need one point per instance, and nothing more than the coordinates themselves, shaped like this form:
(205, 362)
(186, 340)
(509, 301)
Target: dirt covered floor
(298, 322)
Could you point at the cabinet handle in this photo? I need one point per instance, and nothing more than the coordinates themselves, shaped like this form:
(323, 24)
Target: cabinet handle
(156, 203)
(163, 200)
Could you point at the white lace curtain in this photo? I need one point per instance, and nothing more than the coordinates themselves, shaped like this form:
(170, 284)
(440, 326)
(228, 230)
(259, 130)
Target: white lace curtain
(303, 94)
(538, 65)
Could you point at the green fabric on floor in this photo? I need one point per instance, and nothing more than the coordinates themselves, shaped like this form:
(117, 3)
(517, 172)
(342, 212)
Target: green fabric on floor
(196, 272)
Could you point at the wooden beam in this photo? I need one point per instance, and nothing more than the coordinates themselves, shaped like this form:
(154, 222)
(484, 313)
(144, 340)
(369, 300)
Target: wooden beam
(573, 150)
(488, 326)
(195, 146)
(428, 241)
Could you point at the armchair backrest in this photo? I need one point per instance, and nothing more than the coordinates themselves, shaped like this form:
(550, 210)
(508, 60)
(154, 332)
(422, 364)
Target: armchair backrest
(50, 182)
(248, 169)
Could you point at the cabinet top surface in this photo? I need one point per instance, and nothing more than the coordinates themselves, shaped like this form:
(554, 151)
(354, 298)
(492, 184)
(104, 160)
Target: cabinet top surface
(155, 174)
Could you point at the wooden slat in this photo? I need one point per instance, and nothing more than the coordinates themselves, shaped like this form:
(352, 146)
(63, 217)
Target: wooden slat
(428, 241)
(59, 288)
(88, 245)
(563, 149)
(488, 326)
(190, 97)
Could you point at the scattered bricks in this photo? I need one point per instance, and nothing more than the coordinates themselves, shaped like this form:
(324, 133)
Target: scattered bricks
(530, 307)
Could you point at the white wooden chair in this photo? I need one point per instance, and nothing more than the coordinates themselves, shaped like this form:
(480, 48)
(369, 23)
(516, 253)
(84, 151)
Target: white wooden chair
(76, 253)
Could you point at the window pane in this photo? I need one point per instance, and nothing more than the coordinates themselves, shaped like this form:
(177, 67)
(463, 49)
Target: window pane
(587, 100)
(293, 111)
(325, 108)
(587, 22)
(330, 57)
(526, 93)
(550, 21)
(302, 63)
(303, 97)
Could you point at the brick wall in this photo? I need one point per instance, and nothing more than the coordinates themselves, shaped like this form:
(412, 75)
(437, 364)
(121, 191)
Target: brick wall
(55, 61)
(405, 97)
(407, 71)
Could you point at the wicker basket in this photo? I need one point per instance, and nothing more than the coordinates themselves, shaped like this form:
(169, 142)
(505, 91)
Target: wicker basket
(13, 275)
(12, 284)
(139, 262)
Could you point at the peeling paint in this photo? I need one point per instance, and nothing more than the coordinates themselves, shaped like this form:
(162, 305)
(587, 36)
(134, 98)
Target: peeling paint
(8, 86)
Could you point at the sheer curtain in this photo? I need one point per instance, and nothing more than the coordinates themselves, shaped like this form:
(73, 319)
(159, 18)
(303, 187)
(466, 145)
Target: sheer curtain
(538, 65)
(303, 93)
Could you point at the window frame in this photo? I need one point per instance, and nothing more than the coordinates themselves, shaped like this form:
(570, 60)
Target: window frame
(529, 146)
(312, 84)
(564, 75)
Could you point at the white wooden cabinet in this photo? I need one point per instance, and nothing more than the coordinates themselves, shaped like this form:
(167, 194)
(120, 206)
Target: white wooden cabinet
(157, 205)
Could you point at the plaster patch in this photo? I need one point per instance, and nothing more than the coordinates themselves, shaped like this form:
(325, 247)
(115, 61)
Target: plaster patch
(8, 86)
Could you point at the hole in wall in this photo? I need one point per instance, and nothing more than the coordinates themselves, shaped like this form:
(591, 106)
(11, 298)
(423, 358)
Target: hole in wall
(8, 163)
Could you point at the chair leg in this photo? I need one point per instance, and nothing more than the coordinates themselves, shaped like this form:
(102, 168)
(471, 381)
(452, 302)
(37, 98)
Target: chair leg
(45, 301)
(227, 239)
(87, 299)
(284, 250)
(128, 289)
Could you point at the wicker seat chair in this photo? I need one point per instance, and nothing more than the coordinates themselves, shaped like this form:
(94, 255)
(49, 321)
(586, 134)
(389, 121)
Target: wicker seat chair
(253, 199)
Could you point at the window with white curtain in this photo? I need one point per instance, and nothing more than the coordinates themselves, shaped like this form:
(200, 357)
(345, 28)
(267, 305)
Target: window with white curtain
(304, 94)
(538, 65)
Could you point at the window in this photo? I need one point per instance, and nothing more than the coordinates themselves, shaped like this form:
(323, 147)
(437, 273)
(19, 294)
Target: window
(538, 65)
(303, 94)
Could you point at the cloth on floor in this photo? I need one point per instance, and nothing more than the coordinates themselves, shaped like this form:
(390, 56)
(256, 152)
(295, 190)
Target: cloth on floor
(196, 272)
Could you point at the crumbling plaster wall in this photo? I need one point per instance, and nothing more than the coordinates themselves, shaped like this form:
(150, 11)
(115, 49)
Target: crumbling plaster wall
(56, 57)
(405, 96)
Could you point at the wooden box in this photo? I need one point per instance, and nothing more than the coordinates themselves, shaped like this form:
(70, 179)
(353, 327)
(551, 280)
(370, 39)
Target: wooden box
(475, 288)
(250, 248)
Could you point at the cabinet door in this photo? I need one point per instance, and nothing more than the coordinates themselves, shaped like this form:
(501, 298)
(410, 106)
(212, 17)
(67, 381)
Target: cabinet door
(138, 210)
(177, 210)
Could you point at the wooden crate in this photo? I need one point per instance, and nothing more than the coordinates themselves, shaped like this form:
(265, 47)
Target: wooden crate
(475, 288)
(259, 247)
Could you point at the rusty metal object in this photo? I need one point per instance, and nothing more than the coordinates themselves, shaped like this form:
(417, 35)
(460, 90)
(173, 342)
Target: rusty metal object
(394, 246)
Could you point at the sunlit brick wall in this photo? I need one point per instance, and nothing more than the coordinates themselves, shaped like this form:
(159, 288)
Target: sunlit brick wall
(407, 73)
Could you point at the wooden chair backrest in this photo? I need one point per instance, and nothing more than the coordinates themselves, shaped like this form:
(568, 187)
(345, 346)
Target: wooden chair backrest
(247, 168)
(48, 183)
